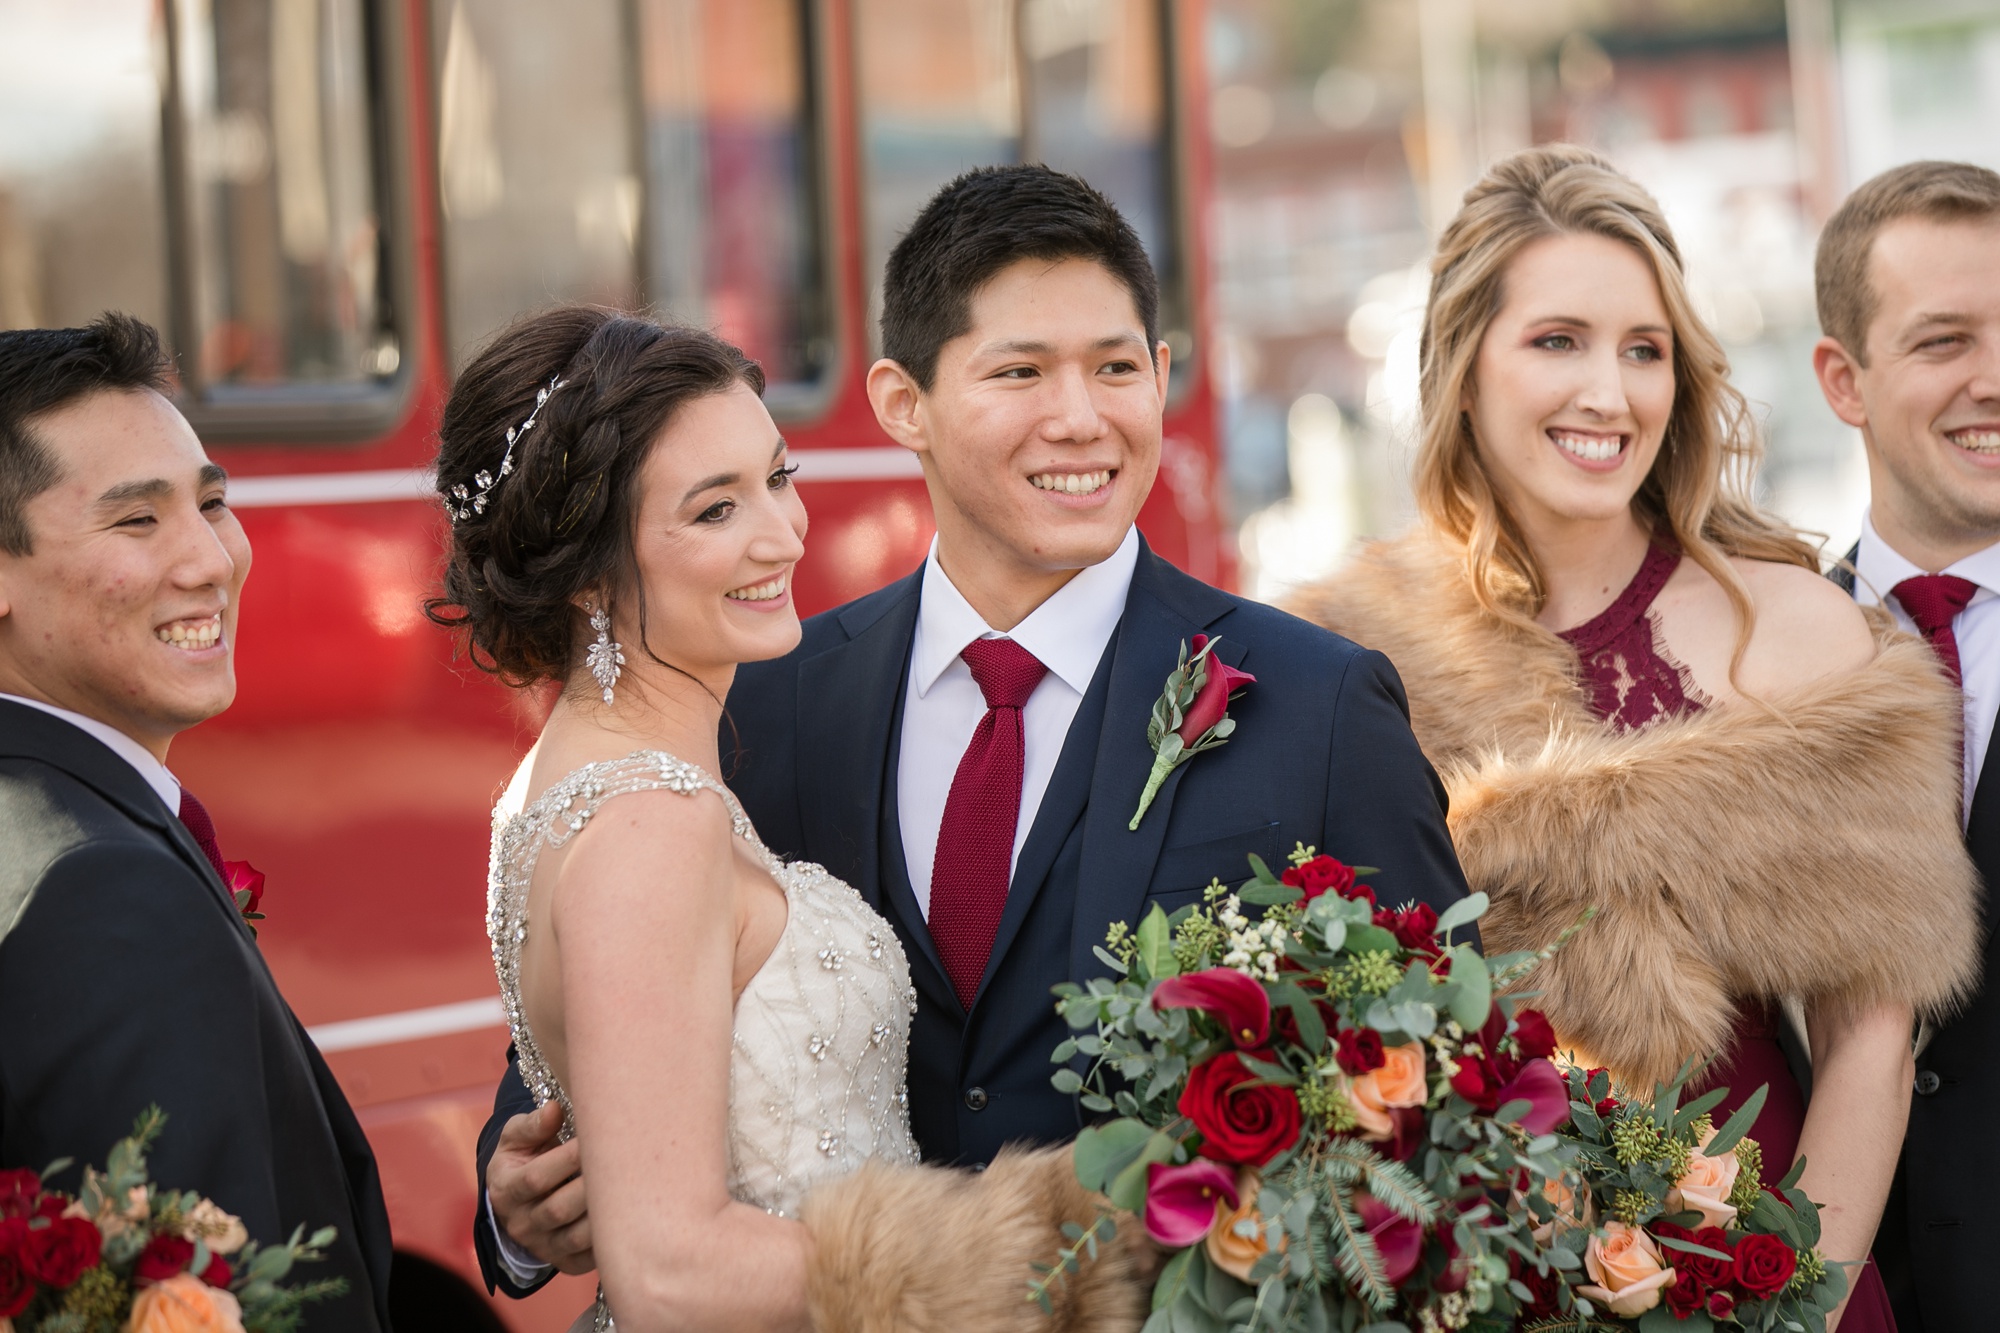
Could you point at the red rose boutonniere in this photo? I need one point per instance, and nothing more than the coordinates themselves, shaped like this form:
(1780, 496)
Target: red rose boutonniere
(1192, 715)
(246, 886)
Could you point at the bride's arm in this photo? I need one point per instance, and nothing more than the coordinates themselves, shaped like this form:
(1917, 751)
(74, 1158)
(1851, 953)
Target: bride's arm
(1862, 1071)
(646, 919)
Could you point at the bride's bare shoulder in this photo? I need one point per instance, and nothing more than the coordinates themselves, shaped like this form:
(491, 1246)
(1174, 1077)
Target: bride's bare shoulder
(1807, 628)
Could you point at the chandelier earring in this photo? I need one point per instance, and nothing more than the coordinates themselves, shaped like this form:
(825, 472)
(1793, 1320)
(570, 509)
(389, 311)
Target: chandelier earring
(606, 658)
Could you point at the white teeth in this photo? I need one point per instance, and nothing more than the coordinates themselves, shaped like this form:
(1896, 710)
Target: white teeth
(1590, 448)
(1979, 441)
(191, 636)
(1071, 483)
(761, 592)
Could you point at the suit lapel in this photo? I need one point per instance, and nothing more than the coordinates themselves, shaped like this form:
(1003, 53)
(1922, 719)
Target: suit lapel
(849, 698)
(36, 735)
(1164, 609)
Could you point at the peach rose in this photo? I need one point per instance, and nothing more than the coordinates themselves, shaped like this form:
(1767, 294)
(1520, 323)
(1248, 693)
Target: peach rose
(220, 1231)
(1563, 1198)
(1706, 1187)
(1625, 1265)
(1399, 1082)
(184, 1304)
(1236, 1242)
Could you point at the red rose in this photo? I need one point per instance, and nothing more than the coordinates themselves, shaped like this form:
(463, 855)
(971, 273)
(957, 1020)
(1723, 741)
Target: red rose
(16, 1287)
(1764, 1264)
(1358, 1050)
(1241, 1121)
(1323, 874)
(1415, 927)
(1211, 702)
(1686, 1295)
(61, 1252)
(1544, 1288)
(18, 1192)
(166, 1255)
(1532, 1031)
(1721, 1305)
(217, 1274)
(246, 885)
(1235, 1001)
(1711, 1273)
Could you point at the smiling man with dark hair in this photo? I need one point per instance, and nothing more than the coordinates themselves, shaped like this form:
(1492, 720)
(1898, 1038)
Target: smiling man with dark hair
(127, 976)
(968, 746)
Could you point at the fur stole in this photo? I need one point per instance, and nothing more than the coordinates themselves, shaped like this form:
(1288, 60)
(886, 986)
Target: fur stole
(899, 1249)
(1812, 850)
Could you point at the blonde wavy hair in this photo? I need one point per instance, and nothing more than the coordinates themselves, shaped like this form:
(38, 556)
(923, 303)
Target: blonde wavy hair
(1699, 489)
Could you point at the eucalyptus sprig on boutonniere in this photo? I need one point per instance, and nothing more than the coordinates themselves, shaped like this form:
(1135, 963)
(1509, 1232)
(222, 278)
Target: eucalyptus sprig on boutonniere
(1191, 715)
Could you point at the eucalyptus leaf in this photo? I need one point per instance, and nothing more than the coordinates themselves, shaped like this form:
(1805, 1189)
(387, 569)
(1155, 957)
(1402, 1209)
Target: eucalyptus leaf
(1128, 1187)
(1738, 1125)
(1472, 1000)
(1269, 895)
(1156, 945)
(1172, 1281)
(1102, 1151)
(1467, 909)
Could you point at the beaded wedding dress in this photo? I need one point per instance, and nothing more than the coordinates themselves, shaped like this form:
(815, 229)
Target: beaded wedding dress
(822, 1030)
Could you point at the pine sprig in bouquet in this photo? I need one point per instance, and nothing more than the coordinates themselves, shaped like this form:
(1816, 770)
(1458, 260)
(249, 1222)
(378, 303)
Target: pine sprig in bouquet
(1667, 1226)
(1321, 1114)
(123, 1255)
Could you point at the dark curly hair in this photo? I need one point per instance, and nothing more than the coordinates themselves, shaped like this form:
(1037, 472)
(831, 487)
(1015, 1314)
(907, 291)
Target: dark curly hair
(562, 523)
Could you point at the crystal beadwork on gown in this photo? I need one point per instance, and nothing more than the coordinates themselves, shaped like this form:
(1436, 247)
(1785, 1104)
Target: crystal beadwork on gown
(821, 1032)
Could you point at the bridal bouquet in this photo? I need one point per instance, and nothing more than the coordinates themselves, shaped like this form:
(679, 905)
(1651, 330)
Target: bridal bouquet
(1320, 1114)
(123, 1255)
(1666, 1225)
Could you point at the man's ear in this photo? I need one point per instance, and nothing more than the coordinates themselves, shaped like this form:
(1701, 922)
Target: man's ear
(1163, 360)
(1839, 374)
(898, 404)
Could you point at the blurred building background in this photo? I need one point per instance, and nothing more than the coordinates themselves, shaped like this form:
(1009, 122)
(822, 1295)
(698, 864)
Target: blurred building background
(1347, 130)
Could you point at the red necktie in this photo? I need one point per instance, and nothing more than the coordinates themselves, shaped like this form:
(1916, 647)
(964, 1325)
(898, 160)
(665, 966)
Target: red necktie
(1932, 601)
(975, 845)
(195, 815)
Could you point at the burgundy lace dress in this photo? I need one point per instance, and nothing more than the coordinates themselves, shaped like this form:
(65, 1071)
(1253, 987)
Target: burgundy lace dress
(1632, 682)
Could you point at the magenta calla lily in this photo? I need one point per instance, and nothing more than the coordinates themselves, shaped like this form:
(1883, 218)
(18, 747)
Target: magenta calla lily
(1181, 1201)
(1211, 704)
(1237, 1002)
(1541, 1085)
(1397, 1239)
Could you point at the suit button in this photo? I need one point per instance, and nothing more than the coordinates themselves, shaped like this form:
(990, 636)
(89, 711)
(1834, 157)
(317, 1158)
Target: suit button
(1928, 1082)
(975, 1099)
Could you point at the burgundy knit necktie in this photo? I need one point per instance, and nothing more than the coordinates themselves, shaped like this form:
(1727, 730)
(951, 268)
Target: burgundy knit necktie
(1932, 601)
(195, 815)
(976, 841)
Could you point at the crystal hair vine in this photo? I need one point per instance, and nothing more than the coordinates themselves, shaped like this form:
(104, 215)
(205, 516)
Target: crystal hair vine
(465, 501)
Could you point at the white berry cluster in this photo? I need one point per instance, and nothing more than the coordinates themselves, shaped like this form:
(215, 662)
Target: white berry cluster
(1254, 946)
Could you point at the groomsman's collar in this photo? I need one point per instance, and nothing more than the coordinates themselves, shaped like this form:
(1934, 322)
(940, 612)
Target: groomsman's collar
(1881, 567)
(163, 783)
(1068, 633)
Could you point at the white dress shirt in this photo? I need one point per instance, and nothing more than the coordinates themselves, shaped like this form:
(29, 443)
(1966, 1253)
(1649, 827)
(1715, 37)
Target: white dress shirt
(142, 760)
(1977, 629)
(942, 703)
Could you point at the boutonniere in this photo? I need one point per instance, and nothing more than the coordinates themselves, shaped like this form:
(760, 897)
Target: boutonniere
(1192, 715)
(246, 888)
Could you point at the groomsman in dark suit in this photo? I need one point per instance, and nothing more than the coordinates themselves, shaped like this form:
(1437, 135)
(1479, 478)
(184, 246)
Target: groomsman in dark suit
(967, 746)
(127, 975)
(1908, 278)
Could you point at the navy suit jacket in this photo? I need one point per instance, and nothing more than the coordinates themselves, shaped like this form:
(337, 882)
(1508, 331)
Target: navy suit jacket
(128, 978)
(1322, 754)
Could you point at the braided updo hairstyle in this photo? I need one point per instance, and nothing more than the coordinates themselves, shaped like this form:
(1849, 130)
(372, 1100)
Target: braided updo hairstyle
(561, 524)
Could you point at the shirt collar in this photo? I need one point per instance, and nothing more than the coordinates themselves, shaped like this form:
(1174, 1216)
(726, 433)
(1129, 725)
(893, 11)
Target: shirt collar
(1067, 633)
(163, 783)
(1880, 567)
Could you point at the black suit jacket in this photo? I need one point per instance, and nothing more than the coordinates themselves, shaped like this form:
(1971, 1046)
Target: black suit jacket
(128, 978)
(1939, 1229)
(1322, 754)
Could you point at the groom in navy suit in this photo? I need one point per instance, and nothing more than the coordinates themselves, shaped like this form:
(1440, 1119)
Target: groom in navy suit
(967, 746)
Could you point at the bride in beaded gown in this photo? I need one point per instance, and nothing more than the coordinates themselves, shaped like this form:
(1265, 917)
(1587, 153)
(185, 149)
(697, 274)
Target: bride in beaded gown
(725, 1032)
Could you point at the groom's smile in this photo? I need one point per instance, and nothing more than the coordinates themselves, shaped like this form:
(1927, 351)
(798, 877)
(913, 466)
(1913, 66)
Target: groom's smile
(1040, 435)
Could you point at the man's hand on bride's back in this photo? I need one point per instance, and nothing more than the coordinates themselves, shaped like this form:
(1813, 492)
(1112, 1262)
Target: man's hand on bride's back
(535, 1186)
